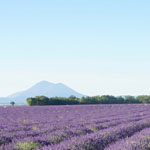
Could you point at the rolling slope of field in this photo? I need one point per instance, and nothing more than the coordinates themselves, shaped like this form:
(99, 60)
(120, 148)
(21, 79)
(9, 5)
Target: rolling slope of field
(78, 127)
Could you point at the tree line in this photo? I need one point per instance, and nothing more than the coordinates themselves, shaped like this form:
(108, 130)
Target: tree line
(72, 100)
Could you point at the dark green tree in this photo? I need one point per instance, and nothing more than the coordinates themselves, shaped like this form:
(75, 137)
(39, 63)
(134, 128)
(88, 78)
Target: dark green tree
(129, 99)
(143, 99)
(12, 103)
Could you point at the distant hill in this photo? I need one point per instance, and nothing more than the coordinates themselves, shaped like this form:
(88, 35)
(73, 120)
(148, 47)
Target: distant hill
(43, 88)
(4, 100)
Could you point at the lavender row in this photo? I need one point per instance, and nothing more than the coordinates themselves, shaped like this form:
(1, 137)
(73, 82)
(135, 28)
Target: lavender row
(105, 137)
(52, 126)
(139, 141)
(60, 135)
(100, 140)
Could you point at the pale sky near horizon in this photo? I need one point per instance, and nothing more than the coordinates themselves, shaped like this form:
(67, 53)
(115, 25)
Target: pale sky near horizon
(94, 46)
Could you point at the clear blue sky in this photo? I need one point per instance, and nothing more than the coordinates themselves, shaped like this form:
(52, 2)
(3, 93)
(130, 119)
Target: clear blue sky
(94, 46)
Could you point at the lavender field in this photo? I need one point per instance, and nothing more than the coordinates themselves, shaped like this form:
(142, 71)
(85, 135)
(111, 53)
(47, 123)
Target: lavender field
(78, 127)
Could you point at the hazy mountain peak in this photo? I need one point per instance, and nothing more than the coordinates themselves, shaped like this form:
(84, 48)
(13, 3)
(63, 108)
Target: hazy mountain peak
(44, 88)
(44, 82)
(60, 84)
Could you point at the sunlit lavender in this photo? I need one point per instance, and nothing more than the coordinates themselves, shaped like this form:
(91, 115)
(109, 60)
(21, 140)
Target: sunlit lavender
(80, 127)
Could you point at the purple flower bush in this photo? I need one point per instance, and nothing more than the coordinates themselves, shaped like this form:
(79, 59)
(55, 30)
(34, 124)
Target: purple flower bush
(75, 127)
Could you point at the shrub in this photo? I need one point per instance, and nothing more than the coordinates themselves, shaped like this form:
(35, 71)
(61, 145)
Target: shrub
(27, 145)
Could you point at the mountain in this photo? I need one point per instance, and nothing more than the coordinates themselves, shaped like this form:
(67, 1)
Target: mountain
(4, 100)
(43, 88)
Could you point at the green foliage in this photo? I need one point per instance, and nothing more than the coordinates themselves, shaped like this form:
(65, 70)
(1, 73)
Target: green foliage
(89, 100)
(30, 145)
(12, 103)
(120, 100)
(72, 100)
(143, 98)
(106, 99)
(42, 100)
(129, 99)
